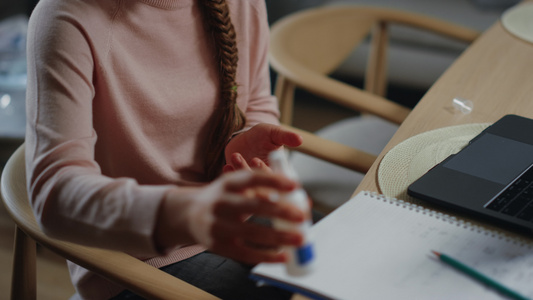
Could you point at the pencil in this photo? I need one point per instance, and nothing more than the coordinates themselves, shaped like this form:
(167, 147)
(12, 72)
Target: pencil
(479, 276)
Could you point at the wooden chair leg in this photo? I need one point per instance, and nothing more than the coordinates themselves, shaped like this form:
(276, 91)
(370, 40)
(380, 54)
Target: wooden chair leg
(376, 73)
(285, 93)
(23, 282)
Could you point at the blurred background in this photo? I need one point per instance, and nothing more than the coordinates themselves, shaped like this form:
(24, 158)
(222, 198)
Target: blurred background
(416, 61)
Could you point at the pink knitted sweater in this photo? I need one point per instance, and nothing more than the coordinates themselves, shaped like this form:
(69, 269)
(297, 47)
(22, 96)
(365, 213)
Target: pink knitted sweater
(119, 102)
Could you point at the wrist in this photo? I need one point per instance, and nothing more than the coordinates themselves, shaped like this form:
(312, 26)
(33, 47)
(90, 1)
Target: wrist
(172, 228)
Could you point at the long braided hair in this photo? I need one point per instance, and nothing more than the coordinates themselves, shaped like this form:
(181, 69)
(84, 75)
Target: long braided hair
(228, 117)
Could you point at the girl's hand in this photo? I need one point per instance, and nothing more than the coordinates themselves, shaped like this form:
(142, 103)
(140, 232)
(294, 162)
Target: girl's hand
(250, 149)
(215, 216)
(237, 162)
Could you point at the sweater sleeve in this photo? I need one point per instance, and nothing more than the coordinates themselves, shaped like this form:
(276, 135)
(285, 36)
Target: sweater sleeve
(262, 105)
(71, 198)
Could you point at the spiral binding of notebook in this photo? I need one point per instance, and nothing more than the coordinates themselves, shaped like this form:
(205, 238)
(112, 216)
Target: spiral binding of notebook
(499, 234)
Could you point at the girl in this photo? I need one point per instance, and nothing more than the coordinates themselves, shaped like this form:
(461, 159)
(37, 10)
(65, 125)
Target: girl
(134, 108)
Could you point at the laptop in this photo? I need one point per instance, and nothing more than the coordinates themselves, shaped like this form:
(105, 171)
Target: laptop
(491, 178)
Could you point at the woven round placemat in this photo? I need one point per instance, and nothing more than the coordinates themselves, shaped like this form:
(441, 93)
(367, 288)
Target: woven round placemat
(412, 158)
(518, 20)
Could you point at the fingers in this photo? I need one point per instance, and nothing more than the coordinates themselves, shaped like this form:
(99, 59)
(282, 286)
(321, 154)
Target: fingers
(235, 206)
(240, 181)
(252, 243)
(250, 193)
(283, 137)
(236, 196)
(259, 164)
(228, 168)
(238, 162)
(256, 234)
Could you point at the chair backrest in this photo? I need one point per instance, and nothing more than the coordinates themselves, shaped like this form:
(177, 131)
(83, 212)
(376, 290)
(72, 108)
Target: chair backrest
(118, 267)
(309, 45)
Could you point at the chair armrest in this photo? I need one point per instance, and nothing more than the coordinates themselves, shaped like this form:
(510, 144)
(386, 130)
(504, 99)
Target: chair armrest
(338, 92)
(333, 152)
(128, 272)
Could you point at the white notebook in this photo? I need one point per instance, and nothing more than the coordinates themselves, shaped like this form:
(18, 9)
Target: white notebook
(373, 247)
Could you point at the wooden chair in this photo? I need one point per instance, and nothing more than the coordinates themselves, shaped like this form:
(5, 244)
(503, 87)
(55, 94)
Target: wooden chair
(118, 267)
(307, 46)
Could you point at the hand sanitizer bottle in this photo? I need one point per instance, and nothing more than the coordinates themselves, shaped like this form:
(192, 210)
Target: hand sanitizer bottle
(301, 259)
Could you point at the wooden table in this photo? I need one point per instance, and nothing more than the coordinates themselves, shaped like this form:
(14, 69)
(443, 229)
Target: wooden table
(495, 73)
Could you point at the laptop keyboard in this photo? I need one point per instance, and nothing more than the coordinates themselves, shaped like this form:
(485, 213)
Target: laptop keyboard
(517, 199)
